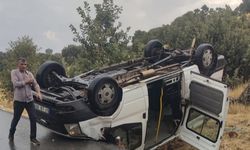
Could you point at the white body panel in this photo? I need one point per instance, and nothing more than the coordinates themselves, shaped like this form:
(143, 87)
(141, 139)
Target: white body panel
(195, 139)
(218, 75)
(186, 80)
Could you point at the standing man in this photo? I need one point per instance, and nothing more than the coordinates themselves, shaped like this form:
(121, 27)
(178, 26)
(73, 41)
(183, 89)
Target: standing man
(23, 81)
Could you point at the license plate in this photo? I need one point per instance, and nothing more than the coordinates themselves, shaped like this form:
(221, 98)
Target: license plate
(42, 108)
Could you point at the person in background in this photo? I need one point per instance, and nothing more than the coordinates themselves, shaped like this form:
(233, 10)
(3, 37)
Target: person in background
(23, 81)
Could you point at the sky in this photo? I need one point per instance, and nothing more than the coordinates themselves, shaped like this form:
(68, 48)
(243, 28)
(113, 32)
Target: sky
(47, 21)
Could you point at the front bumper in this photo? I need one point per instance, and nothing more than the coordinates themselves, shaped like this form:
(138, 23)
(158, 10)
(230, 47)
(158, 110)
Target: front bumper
(55, 116)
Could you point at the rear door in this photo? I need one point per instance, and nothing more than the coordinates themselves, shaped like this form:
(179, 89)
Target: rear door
(205, 115)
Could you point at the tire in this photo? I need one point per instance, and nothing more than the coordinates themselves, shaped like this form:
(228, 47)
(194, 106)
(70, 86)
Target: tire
(46, 78)
(205, 58)
(104, 95)
(153, 48)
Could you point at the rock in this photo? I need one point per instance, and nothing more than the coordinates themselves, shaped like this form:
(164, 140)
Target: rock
(233, 134)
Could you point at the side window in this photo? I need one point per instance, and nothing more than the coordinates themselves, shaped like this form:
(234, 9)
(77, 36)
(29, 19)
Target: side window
(128, 136)
(203, 125)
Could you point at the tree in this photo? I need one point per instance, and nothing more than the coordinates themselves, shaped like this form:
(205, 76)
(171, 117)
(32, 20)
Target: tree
(3, 60)
(244, 7)
(204, 9)
(101, 36)
(72, 59)
(71, 53)
(22, 47)
(49, 51)
(139, 40)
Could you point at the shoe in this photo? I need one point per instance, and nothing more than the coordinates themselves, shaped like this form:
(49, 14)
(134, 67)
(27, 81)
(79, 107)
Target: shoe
(11, 138)
(35, 141)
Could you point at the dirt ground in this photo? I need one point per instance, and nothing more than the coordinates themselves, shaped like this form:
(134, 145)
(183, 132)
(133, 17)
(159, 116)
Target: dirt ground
(236, 135)
(237, 131)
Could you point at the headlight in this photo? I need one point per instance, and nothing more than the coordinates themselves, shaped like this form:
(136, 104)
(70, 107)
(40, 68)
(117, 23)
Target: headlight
(73, 129)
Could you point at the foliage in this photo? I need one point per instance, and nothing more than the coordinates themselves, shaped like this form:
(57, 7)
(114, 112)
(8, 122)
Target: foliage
(139, 39)
(244, 7)
(71, 53)
(2, 63)
(102, 39)
(49, 51)
(235, 80)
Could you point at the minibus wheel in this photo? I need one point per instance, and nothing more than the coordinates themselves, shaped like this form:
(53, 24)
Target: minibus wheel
(153, 48)
(205, 58)
(104, 95)
(45, 76)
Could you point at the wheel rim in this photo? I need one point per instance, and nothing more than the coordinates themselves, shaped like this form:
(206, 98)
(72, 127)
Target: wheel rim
(106, 93)
(207, 58)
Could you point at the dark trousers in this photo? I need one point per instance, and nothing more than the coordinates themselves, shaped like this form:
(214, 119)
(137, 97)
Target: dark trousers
(18, 109)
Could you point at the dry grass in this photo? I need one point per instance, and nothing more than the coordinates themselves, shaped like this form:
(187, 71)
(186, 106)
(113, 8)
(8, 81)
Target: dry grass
(5, 99)
(237, 132)
(238, 108)
(236, 92)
